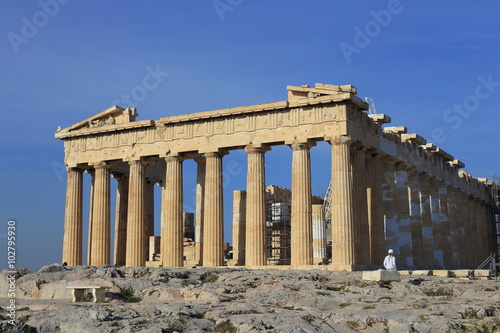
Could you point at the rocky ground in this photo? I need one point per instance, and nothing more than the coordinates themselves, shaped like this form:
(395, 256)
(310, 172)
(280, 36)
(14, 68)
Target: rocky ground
(241, 300)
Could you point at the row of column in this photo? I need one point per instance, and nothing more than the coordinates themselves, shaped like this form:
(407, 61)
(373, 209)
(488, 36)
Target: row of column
(375, 205)
(430, 223)
(134, 215)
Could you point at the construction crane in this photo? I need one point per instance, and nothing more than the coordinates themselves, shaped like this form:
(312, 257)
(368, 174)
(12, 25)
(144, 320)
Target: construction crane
(371, 104)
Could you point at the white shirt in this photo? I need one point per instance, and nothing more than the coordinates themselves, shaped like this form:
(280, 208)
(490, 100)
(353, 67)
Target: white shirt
(390, 262)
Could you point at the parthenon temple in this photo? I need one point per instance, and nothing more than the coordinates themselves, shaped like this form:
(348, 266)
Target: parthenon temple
(388, 189)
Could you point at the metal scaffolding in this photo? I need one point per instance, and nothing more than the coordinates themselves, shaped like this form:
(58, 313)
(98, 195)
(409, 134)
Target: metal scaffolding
(278, 233)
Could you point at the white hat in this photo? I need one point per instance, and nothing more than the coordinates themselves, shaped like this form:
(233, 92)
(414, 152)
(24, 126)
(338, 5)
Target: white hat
(391, 251)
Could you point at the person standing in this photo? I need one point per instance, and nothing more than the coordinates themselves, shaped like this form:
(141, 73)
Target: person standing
(390, 260)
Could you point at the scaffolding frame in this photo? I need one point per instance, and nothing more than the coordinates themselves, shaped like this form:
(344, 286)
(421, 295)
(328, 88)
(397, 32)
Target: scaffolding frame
(278, 233)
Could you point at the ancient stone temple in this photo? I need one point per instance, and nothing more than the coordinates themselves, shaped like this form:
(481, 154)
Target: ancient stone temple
(389, 189)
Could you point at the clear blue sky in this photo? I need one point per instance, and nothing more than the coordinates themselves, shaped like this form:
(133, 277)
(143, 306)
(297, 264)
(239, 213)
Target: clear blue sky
(426, 64)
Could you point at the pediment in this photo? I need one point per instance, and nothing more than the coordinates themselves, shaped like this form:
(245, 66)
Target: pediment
(112, 116)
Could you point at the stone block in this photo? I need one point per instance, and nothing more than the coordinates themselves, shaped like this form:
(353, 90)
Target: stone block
(461, 273)
(442, 273)
(382, 275)
(422, 272)
(482, 273)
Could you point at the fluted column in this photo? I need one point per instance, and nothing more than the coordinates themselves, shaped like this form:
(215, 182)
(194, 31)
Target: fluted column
(172, 250)
(239, 227)
(72, 244)
(256, 238)
(403, 215)
(343, 255)
(474, 236)
(435, 218)
(213, 228)
(425, 210)
(444, 224)
(375, 208)
(417, 249)
(121, 219)
(101, 234)
(482, 232)
(200, 199)
(150, 215)
(389, 203)
(91, 203)
(319, 234)
(136, 225)
(469, 235)
(301, 219)
(464, 235)
(454, 217)
(360, 205)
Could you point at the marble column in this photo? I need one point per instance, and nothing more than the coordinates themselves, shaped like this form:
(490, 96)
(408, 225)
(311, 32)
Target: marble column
(91, 203)
(301, 219)
(72, 244)
(360, 205)
(121, 219)
(101, 234)
(213, 227)
(200, 197)
(319, 234)
(463, 236)
(482, 232)
(150, 215)
(425, 210)
(239, 227)
(469, 234)
(454, 217)
(389, 204)
(375, 208)
(474, 236)
(444, 224)
(436, 228)
(343, 255)
(136, 225)
(403, 216)
(172, 251)
(256, 238)
(417, 250)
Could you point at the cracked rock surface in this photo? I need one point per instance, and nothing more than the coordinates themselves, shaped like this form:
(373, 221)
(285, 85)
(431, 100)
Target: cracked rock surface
(243, 300)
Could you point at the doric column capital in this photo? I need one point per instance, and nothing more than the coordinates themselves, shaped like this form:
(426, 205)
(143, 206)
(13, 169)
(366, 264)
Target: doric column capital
(217, 154)
(73, 169)
(101, 165)
(302, 145)
(254, 149)
(171, 159)
(136, 162)
(341, 140)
